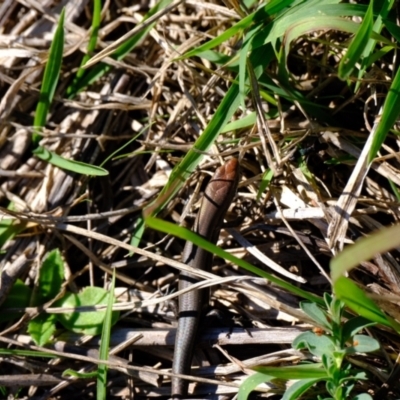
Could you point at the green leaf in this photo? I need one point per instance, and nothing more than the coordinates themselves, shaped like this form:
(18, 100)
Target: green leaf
(390, 113)
(360, 303)
(250, 383)
(353, 326)
(298, 388)
(265, 182)
(51, 277)
(393, 29)
(10, 227)
(306, 371)
(357, 45)
(18, 297)
(315, 312)
(89, 323)
(363, 344)
(364, 249)
(50, 79)
(317, 345)
(137, 233)
(105, 345)
(42, 328)
(362, 396)
(69, 165)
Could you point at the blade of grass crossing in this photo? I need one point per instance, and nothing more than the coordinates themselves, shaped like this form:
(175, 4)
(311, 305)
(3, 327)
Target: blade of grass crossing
(183, 233)
(105, 344)
(50, 80)
(224, 113)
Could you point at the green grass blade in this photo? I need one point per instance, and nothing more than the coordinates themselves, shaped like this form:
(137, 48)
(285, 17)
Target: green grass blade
(105, 344)
(295, 391)
(69, 165)
(101, 68)
(251, 383)
(357, 45)
(50, 80)
(261, 15)
(25, 353)
(364, 249)
(181, 172)
(393, 29)
(306, 371)
(390, 113)
(10, 227)
(91, 45)
(183, 233)
(224, 113)
(310, 10)
(386, 6)
(359, 302)
(265, 182)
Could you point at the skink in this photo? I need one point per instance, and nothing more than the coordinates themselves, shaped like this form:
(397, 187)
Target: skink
(215, 203)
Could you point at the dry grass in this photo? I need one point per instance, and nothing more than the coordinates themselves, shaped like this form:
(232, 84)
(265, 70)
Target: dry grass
(293, 221)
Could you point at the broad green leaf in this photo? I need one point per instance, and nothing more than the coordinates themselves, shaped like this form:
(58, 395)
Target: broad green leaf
(363, 344)
(357, 45)
(359, 302)
(353, 326)
(251, 383)
(315, 312)
(42, 328)
(88, 323)
(68, 165)
(178, 231)
(18, 297)
(50, 80)
(316, 344)
(362, 396)
(51, 276)
(364, 249)
(105, 345)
